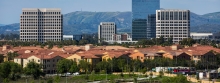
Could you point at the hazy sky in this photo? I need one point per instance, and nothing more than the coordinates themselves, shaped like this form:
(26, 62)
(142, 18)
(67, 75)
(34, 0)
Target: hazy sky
(10, 10)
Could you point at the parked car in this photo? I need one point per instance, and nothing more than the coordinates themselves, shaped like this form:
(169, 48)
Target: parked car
(76, 73)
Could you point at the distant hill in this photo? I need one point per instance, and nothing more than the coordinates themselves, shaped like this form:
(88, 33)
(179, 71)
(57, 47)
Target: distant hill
(1, 24)
(12, 28)
(87, 22)
(215, 15)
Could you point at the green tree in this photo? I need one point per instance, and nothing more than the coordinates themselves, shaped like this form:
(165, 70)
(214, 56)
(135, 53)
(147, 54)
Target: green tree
(74, 67)
(121, 64)
(161, 73)
(84, 65)
(11, 55)
(103, 65)
(5, 70)
(1, 58)
(64, 65)
(16, 70)
(33, 69)
(57, 79)
(10, 70)
(83, 42)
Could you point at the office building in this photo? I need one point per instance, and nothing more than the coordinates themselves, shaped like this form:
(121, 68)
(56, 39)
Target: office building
(41, 25)
(141, 10)
(151, 26)
(197, 36)
(72, 37)
(173, 23)
(67, 37)
(215, 36)
(106, 30)
(77, 37)
(121, 37)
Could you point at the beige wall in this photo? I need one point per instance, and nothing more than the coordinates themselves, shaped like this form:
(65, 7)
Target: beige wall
(75, 57)
(18, 60)
(49, 65)
(138, 55)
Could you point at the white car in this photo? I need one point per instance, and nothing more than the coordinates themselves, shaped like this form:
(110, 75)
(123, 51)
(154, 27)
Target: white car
(76, 73)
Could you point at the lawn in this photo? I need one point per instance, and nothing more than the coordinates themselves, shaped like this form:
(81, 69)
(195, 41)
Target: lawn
(80, 78)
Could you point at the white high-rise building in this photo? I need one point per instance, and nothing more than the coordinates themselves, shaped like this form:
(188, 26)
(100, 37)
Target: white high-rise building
(41, 25)
(106, 30)
(173, 23)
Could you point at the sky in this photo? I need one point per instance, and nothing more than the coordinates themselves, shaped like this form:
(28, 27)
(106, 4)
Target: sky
(10, 10)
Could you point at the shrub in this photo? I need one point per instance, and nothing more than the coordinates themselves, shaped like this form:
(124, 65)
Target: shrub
(50, 80)
(161, 74)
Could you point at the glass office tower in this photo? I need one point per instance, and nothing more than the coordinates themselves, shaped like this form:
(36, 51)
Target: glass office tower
(140, 11)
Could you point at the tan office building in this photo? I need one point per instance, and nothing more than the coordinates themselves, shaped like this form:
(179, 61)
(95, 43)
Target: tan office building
(41, 25)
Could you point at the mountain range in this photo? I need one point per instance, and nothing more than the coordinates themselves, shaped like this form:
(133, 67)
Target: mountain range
(1, 24)
(80, 22)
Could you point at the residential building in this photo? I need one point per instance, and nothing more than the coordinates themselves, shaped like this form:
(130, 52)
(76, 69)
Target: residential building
(105, 31)
(141, 10)
(115, 54)
(173, 23)
(45, 24)
(197, 36)
(145, 54)
(47, 58)
(175, 55)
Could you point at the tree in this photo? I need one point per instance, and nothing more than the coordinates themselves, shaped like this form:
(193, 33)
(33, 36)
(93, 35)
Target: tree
(121, 64)
(161, 73)
(84, 65)
(74, 67)
(83, 42)
(136, 64)
(103, 65)
(33, 69)
(187, 42)
(11, 55)
(15, 70)
(63, 65)
(10, 70)
(5, 70)
(57, 79)
(1, 58)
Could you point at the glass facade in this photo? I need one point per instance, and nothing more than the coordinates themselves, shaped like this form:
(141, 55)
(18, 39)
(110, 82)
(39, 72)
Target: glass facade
(140, 11)
(151, 26)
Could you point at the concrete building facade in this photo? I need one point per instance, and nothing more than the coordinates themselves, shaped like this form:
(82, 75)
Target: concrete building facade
(173, 23)
(106, 30)
(41, 25)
